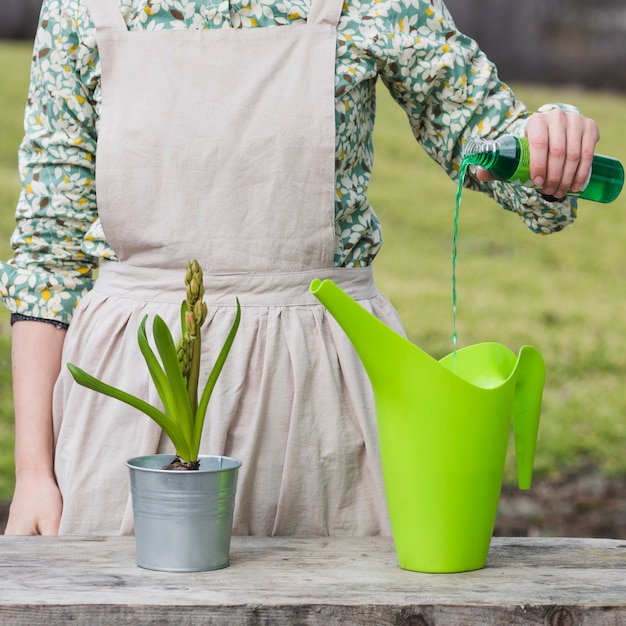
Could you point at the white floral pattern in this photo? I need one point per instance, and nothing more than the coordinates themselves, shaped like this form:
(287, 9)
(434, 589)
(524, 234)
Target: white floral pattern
(448, 88)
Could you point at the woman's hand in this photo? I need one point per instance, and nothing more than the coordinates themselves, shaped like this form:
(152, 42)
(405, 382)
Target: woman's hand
(36, 506)
(562, 145)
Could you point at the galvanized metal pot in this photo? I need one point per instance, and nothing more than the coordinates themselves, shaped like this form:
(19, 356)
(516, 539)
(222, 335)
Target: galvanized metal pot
(183, 519)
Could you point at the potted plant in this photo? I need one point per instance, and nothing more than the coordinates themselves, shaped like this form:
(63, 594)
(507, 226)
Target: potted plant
(182, 504)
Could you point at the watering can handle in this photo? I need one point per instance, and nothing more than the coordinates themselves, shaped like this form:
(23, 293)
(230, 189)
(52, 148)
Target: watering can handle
(531, 376)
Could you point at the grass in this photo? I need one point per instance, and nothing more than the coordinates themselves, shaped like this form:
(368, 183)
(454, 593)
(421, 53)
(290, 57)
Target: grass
(15, 62)
(562, 293)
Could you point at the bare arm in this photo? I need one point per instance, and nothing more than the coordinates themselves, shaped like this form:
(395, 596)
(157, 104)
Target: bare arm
(36, 358)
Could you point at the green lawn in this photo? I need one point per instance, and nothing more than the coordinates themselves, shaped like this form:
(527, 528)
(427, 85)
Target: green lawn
(14, 61)
(563, 293)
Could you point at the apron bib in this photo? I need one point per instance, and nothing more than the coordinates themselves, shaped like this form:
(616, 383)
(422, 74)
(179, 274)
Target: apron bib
(202, 154)
(232, 161)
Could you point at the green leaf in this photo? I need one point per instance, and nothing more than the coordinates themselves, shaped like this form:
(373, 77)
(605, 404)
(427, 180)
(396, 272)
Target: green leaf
(89, 381)
(159, 378)
(184, 307)
(215, 372)
(180, 411)
(166, 386)
(154, 367)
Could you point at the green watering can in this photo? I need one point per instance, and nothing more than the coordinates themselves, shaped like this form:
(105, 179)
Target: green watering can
(444, 429)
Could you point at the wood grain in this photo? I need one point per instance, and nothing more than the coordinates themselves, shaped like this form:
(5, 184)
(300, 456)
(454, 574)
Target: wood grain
(280, 581)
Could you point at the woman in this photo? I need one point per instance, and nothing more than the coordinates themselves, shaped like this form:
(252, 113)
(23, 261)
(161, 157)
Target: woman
(238, 134)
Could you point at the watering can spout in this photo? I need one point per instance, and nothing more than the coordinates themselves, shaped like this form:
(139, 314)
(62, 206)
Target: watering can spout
(373, 340)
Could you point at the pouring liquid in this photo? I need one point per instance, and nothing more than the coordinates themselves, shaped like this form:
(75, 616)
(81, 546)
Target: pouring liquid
(509, 157)
(465, 163)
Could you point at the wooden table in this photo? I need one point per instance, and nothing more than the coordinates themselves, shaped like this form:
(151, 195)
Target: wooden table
(279, 581)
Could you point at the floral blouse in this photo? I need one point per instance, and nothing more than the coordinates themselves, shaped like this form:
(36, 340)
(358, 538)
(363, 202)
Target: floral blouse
(448, 88)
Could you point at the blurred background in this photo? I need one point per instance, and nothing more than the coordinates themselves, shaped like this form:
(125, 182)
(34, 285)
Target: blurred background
(18, 18)
(563, 293)
(555, 41)
(550, 41)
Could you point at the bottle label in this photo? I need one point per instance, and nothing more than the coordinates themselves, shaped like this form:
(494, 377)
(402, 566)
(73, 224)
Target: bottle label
(604, 183)
(521, 176)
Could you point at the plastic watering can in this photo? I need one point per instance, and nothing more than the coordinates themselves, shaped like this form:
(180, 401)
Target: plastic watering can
(443, 428)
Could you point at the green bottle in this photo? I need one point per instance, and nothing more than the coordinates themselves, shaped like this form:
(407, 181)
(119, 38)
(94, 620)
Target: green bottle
(508, 159)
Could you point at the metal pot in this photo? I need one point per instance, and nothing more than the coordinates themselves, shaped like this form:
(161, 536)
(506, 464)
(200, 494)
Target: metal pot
(183, 519)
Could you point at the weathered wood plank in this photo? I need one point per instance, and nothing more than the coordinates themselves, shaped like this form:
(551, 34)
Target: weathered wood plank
(312, 581)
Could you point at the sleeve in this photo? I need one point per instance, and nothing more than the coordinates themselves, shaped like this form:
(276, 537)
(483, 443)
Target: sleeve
(49, 272)
(450, 92)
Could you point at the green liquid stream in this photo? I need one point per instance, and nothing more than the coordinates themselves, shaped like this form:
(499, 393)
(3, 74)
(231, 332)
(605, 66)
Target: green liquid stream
(465, 163)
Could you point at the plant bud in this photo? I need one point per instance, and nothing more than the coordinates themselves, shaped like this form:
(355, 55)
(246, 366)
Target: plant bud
(194, 289)
(199, 312)
(184, 355)
(190, 322)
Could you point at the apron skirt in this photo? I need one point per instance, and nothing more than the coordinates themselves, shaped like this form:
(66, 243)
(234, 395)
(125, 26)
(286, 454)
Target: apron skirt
(293, 402)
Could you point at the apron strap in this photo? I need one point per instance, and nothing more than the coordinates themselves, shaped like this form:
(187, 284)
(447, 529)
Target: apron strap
(106, 15)
(325, 12)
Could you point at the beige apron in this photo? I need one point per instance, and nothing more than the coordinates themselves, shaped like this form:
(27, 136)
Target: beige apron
(219, 145)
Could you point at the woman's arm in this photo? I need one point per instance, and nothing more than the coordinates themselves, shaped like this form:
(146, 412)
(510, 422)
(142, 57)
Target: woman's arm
(50, 271)
(36, 358)
(451, 91)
